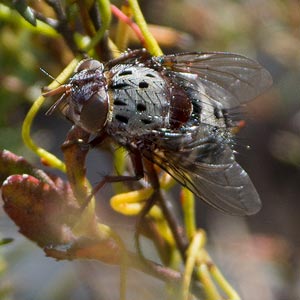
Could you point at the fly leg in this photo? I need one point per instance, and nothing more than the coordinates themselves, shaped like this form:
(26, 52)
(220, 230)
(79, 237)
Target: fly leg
(172, 220)
(82, 140)
(151, 201)
(75, 149)
(138, 174)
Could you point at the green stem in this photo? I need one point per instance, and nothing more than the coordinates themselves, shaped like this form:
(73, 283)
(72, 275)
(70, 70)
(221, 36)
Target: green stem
(105, 11)
(209, 287)
(47, 157)
(188, 206)
(223, 283)
(151, 43)
(10, 16)
(192, 252)
(122, 30)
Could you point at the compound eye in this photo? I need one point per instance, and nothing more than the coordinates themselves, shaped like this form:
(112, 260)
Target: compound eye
(94, 113)
(89, 64)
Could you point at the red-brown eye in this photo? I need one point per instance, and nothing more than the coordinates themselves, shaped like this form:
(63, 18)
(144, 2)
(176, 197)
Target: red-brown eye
(94, 113)
(89, 64)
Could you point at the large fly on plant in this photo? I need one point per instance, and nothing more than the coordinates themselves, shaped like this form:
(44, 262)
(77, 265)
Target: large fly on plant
(172, 111)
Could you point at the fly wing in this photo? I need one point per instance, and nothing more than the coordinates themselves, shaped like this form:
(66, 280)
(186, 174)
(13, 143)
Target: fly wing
(226, 187)
(227, 78)
(208, 169)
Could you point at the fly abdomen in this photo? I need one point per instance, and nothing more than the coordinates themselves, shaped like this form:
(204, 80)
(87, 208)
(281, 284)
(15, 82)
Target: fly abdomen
(180, 106)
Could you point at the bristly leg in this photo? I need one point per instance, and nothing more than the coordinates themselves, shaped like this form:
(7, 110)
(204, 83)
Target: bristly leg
(138, 174)
(140, 221)
(172, 220)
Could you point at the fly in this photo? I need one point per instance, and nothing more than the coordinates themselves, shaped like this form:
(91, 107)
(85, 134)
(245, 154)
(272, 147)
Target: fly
(172, 111)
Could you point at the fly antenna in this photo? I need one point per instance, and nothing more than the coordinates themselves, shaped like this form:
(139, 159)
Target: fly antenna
(49, 75)
(63, 89)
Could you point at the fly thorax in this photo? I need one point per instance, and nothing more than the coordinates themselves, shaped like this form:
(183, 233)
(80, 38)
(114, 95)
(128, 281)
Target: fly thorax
(180, 104)
(140, 99)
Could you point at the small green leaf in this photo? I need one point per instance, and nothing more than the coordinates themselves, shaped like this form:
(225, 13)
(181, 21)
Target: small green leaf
(25, 11)
(5, 241)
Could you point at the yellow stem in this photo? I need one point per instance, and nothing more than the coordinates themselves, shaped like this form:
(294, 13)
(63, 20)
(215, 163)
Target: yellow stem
(223, 283)
(190, 264)
(188, 206)
(47, 157)
(151, 43)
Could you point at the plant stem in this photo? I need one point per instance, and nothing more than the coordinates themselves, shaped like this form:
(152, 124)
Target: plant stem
(151, 43)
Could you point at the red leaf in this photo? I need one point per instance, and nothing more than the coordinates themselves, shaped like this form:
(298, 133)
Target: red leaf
(40, 211)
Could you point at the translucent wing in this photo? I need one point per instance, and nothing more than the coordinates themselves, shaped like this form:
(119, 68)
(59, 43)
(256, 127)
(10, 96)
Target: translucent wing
(227, 78)
(226, 187)
(208, 169)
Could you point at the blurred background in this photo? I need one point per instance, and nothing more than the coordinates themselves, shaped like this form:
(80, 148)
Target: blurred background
(259, 255)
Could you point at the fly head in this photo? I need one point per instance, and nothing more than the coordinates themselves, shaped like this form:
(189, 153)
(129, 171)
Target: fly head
(84, 100)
